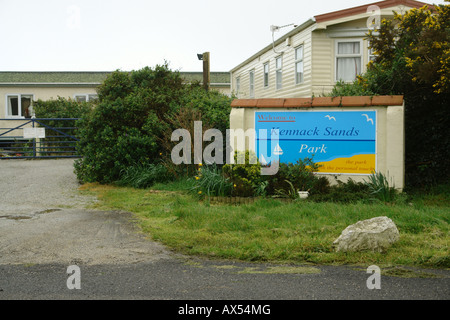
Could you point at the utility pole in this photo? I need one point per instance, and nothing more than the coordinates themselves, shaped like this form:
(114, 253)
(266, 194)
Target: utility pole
(206, 71)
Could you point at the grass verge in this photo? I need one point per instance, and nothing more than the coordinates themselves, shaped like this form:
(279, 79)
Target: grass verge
(271, 231)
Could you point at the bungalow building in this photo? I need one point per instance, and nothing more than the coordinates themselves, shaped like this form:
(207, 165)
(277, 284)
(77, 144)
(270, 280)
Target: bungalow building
(310, 59)
(18, 90)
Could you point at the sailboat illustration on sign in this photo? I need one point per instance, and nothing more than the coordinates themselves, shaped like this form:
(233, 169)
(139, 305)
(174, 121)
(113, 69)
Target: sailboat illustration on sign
(263, 160)
(278, 151)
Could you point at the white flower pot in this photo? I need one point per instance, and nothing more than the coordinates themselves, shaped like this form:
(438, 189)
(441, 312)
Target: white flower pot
(303, 194)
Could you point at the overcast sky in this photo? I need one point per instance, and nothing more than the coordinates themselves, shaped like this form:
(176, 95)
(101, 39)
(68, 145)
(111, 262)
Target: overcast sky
(94, 35)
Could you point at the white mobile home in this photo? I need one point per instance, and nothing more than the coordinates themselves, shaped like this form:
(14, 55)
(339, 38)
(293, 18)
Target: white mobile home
(310, 59)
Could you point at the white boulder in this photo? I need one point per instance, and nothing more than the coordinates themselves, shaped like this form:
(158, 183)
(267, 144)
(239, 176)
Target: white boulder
(376, 234)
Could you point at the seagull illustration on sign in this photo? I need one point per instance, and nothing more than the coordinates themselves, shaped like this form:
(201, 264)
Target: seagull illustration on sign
(278, 151)
(368, 119)
(330, 117)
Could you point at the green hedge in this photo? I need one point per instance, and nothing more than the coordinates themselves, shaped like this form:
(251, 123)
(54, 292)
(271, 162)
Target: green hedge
(134, 119)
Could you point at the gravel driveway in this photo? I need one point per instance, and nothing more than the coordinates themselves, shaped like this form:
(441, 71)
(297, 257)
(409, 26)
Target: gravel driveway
(43, 219)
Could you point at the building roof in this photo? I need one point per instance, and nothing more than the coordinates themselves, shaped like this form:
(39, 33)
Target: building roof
(216, 78)
(88, 78)
(296, 30)
(52, 78)
(363, 9)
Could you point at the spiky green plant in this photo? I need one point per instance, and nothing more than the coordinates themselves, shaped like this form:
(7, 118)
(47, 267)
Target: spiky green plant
(379, 186)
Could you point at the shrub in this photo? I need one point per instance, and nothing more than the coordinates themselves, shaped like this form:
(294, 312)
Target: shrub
(108, 151)
(133, 121)
(355, 88)
(213, 106)
(61, 108)
(343, 192)
(183, 119)
(299, 176)
(352, 186)
(121, 131)
(289, 191)
(211, 182)
(321, 186)
(246, 177)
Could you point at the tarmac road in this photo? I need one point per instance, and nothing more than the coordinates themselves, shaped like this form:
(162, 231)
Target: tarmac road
(45, 228)
(177, 278)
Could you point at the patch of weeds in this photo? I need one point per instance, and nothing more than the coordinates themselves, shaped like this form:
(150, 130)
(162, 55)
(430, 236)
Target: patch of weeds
(280, 270)
(193, 264)
(226, 267)
(402, 272)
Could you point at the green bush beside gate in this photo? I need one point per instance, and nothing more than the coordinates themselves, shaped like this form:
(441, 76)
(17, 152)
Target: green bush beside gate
(132, 124)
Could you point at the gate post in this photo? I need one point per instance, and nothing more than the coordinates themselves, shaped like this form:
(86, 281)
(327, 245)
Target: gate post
(34, 142)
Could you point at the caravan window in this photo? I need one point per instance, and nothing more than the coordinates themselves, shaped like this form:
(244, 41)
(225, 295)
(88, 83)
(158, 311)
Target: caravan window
(348, 60)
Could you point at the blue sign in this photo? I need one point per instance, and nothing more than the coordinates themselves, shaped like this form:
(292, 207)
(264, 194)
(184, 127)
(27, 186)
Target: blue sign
(339, 141)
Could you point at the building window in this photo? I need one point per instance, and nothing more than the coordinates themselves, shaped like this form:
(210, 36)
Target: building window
(19, 105)
(299, 65)
(279, 72)
(371, 53)
(348, 60)
(266, 75)
(85, 97)
(238, 86)
(252, 83)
